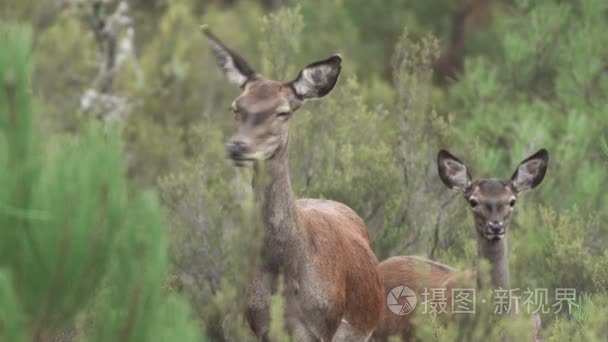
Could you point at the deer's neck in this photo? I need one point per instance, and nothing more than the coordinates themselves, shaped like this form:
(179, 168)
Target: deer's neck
(496, 254)
(282, 241)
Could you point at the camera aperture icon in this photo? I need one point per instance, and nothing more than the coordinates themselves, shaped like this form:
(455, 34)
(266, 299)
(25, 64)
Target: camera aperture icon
(401, 300)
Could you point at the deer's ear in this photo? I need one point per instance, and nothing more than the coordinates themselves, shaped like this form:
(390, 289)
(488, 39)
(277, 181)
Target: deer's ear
(236, 69)
(531, 171)
(318, 78)
(453, 172)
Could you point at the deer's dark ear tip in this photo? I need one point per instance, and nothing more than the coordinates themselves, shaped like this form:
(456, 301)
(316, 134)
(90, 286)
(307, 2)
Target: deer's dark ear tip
(443, 154)
(541, 154)
(336, 58)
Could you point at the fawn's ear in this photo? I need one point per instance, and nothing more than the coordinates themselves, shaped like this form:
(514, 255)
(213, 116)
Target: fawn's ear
(317, 79)
(531, 171)
(453, 172)
(236, 69)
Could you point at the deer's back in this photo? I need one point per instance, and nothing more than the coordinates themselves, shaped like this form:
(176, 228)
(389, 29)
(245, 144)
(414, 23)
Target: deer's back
(339, 252)
(417, 273)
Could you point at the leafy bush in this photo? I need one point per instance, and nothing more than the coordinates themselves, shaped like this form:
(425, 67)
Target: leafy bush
(71, 234)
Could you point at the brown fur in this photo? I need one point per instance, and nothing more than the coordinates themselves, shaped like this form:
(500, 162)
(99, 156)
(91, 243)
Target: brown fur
(338, 247)
(333, 289)
(416, 273)
(322, 247)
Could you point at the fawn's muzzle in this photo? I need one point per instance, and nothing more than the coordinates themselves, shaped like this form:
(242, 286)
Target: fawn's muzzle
(495, 228)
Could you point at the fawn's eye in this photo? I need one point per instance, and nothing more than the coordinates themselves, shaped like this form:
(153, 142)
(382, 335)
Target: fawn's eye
(473, 203)
(283, 114)
(512, 203)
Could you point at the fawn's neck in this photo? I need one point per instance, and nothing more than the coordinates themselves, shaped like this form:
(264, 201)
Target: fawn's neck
(496, 253)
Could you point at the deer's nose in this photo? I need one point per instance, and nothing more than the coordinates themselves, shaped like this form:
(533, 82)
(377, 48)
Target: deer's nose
(496, 227)
(236, 149)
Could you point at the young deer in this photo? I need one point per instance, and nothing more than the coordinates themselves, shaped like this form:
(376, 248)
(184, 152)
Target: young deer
(492, 203)
(332, 286)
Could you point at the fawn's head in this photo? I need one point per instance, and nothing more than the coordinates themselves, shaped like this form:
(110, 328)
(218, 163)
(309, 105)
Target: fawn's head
(264, 107)
(492, 200)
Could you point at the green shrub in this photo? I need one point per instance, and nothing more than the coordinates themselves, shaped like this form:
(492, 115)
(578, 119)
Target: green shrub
(71, 233)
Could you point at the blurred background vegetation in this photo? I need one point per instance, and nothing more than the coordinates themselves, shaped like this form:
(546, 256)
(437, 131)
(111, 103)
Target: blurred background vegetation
(490, 80)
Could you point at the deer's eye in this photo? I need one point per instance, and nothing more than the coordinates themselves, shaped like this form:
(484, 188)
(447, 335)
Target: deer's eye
(473, 203)
(512, 203)
(283, 115)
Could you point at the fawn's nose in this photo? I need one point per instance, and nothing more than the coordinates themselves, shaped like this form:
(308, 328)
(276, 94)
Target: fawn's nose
(496, 227)
(236, 149)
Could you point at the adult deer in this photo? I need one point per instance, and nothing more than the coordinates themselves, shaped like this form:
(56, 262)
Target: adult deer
(492, 202)
(332, 286)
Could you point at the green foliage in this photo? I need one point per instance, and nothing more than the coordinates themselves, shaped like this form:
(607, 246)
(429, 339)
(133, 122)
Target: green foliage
(534, 96)
(66, 41)
(485, 324)
(211, 211)
(281, 31)
(14, 327)
(68, 226)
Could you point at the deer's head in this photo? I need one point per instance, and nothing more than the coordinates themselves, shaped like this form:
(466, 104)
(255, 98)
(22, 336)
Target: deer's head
(492, 201)
(264, 107)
